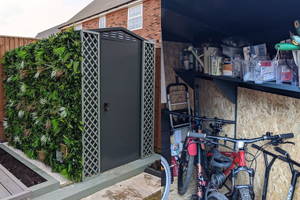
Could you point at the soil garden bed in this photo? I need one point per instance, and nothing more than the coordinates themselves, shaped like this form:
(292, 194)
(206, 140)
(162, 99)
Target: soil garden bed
(154, 169)
(19, 170)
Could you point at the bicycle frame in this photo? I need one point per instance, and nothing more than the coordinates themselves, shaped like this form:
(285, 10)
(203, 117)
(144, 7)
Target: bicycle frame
(238, 158)
(202, 183)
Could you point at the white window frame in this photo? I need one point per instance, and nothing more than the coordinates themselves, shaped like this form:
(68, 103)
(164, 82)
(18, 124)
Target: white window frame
(104, 22)
(78, 27)
(141, 15)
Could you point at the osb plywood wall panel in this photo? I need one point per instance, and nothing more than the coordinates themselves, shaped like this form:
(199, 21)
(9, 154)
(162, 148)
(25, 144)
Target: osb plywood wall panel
(171, 62)
(259, 112)
(213, 103)
(7, 43)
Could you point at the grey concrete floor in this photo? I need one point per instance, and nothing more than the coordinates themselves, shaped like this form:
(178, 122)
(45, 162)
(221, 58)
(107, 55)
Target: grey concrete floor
(188, 195)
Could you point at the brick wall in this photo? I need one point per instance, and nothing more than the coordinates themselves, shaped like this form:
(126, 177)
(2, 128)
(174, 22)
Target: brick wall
(151, 21)
(94, 23)
(117, 19)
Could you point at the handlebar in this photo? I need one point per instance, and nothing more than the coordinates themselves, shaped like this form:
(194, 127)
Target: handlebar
(196, 135)
(274, 155)
(240, 142)
(287, 135)
(199, 118)
(283, 152)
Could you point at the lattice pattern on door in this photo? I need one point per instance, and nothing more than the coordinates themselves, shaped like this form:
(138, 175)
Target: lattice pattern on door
(90, 104)
(148, 99)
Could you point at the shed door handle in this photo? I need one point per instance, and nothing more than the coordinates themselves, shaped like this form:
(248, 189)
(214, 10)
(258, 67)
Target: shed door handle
(106, 106)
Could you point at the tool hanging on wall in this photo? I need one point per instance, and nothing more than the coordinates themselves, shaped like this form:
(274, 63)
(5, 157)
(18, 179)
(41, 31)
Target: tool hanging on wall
(295, 40)
(294, 46)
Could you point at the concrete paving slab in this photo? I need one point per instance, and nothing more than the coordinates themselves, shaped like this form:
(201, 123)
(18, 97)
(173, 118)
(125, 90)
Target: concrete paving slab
(104, 180)
(137, 188)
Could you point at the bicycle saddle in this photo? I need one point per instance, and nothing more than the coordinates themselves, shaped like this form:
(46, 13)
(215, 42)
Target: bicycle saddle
(219, 160)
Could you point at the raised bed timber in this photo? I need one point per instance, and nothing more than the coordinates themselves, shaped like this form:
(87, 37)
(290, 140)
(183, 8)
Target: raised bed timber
(37, 190)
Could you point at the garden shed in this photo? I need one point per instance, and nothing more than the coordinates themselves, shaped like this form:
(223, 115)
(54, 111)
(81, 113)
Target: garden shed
(82, 119)
(124, 102)
(255, 108)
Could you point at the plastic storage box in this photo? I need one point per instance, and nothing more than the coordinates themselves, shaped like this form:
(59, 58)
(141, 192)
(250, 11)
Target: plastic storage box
(231, 51)
(287, 72)
(237, 67)
(248, 69)
(259, 71)
(264, 71)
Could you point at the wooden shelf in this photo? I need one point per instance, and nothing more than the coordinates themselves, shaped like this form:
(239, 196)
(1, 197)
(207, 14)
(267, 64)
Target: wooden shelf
(229, 85)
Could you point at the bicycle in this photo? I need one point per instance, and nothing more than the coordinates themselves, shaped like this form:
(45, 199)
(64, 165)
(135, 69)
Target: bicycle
(190, 150)
(211, 180)
(243, 192)
(295, 173)
(167, 172)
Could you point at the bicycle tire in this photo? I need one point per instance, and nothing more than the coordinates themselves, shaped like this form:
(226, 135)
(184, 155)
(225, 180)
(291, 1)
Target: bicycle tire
(183, 185)
(217, 196)
(244, 194)
(167, 171)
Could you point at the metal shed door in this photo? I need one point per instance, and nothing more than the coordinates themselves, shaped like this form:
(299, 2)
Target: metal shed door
(120, 64)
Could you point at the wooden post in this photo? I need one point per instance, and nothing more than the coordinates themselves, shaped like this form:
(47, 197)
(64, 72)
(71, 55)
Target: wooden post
(157, 118)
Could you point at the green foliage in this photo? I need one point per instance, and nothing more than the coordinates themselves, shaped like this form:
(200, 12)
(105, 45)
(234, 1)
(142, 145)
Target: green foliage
(43, 94)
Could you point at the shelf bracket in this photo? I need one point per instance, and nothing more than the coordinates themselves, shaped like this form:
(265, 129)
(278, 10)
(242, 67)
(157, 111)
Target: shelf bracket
(228, 88)
(187, 76)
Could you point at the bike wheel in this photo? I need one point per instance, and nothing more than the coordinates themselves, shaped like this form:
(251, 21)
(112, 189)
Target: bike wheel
(166, 170)
(217, 196)
(185, 172)
(244, 194)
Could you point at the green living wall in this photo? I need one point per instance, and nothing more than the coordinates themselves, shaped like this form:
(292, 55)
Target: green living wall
(43, 101)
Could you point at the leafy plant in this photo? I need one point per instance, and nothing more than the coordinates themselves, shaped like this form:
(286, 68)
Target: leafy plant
(43, 93)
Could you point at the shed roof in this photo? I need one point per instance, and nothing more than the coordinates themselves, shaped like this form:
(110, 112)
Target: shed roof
(112, 29)
(94, 8)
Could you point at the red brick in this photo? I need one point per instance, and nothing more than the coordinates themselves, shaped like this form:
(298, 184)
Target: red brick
(91, 24)
(117, 18)
(151, 21)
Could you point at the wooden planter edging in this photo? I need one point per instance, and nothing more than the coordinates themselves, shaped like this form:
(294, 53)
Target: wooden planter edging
(40, 189)
(11, 188)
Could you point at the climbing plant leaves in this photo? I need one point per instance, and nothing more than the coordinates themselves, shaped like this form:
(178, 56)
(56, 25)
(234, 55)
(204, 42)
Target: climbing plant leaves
(43, 101)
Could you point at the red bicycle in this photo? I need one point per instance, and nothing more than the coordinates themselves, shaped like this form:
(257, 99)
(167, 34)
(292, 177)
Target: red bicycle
(211, 175)
(238, 164)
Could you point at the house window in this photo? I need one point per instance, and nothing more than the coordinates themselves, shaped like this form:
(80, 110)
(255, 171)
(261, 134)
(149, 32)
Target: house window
(102, 22)
(78, 27)
(135, 17)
